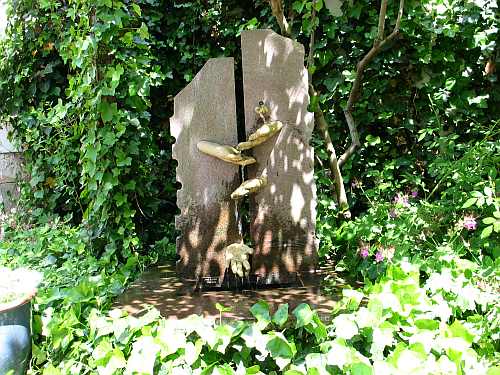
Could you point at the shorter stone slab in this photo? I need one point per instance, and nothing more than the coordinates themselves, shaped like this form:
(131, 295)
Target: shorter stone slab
(10, 170)
(205, 110)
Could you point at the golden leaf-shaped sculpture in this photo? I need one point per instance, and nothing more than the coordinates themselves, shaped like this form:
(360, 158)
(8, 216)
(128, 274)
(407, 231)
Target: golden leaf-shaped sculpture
(226, 153)
(237, 258)
(250, 186)
(261, 135)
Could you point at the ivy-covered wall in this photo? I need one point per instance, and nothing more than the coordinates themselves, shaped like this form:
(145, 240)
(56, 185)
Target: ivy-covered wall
(88, 88)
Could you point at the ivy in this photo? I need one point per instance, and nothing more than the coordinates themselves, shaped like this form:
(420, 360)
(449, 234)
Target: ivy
(81, 111)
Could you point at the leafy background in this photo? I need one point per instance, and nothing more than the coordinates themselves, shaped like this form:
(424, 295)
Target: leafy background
(88, 89)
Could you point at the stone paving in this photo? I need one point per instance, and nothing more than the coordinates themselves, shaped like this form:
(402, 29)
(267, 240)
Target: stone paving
(161, 288)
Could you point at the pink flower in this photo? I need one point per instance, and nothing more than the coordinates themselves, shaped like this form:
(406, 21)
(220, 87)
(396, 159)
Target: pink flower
(364, 249)
(401, 199)
(393, 213)
(364, 252)
(379, 256)
(414, 193)
(356, 184)
(469, 222)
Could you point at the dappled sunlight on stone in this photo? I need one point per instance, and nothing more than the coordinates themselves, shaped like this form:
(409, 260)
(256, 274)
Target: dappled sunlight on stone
(297, 203)
(160, 287)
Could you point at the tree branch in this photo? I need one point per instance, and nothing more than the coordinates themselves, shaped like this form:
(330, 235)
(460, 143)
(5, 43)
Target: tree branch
(354, 95)
(322, 126)
(381, 21)
(279, 14)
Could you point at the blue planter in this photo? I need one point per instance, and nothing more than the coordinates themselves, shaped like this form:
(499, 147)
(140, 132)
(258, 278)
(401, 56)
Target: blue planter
(15, 338)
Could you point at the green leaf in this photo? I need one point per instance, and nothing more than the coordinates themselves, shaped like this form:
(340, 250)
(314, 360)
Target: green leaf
(255, 369)
(51, 370)
(223, 370)
(280, 317)
(345, 327)
(427, 324)
(318, 328)
(361, 369)
(279, 347)
(458, 330)
(220, 308)
(480, 100)
(487, 232)
(143, 31)
(372, 140)
(298, 6)
(143, 356)
(303, 314)
(136, 8)
(107, 110)
(318, 5)
(469, 202)
(261, 312)
(450, 82)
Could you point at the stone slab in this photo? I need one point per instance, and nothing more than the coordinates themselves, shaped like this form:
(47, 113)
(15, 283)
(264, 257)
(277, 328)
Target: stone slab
(205, 110)
(10, 167)
(283, 215)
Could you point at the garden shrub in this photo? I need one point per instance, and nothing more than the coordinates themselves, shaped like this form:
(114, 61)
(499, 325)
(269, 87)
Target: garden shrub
(445, 324)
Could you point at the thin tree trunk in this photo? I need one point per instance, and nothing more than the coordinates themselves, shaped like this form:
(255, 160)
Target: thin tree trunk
(322, 126)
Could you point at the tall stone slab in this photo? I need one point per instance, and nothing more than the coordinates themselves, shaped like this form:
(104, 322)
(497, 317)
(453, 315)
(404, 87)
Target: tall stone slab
(205, 111)
(283, 214)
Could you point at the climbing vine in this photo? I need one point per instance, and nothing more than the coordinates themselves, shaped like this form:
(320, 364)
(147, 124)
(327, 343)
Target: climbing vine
(80, 111)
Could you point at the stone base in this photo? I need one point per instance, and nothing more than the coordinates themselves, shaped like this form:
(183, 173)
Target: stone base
(176, 299)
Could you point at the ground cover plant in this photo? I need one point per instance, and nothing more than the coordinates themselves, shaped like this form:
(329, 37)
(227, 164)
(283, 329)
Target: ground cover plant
(442, 318)
(87, 89)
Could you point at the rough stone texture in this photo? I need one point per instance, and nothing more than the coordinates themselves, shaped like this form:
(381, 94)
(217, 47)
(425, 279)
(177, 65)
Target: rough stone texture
(208, 222)
(10, 167)
(283, 215)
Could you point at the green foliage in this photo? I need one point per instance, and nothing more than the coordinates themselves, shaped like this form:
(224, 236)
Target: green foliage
(75, 285)
(421, 96)
(89, 97)
(87, 88)
(77, 98)
(443, 325)
(463, 218)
